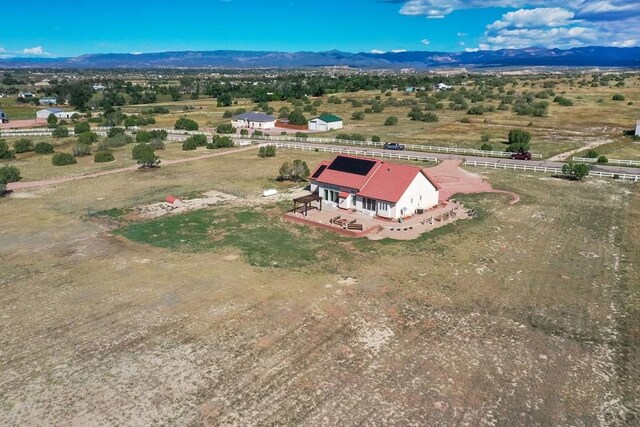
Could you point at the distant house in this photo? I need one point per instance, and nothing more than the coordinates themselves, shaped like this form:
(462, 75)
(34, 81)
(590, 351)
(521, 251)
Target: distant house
(98, 87)
(410, 89)
(48, 100)
(442, 86)
(58, 112)
(253, 120)
(325, 122)
(638, 128)
(374, 187)
(25, 95)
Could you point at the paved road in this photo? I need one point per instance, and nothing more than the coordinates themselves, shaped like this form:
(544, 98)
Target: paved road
(445, 156)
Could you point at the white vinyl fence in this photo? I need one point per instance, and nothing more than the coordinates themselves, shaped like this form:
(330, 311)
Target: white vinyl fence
(353, 152)
(616, 162)
(495, 165)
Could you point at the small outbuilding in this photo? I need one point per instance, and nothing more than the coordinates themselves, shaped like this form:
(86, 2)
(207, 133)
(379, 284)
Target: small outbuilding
(325, 122)
(253, 120)
(58, 112)
(637, 128)
(48, 100)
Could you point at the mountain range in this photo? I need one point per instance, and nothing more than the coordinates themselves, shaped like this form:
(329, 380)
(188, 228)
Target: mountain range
(592, 56)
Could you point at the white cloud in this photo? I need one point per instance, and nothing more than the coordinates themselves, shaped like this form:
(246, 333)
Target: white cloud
(377, 51)
(461, 44)
(533, 18)
(399, 50)
(425, 42)
(37, 50)
(549, 23)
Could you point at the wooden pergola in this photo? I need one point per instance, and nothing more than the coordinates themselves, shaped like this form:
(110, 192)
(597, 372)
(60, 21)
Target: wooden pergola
(306, 201)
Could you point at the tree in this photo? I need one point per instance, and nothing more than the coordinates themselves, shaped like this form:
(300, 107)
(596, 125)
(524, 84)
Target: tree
(297, 118)
(575, 171)
(375, 138)
(486, 147)
(186, 124)
(87, 138)
(518, 147)
(224, 100)
(592, 154)
(267, 151)
(145, 156)
(296, 171)
(391, 121)
(81, 150)
(519, 136)
(52, 119)
(115, 131)
(189, 144)
(603, 159)
(618, 97)
(8, 174)
(244, 132)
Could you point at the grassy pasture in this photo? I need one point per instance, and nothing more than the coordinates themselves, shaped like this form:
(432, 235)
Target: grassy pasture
(528, 310)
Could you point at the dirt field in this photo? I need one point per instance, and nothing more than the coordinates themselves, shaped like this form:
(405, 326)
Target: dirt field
(527, 315)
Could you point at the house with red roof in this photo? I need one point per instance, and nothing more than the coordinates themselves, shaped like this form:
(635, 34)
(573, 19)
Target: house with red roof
(374, 187)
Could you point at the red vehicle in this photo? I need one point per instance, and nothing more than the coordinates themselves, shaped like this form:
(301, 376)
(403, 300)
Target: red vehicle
(522, 155)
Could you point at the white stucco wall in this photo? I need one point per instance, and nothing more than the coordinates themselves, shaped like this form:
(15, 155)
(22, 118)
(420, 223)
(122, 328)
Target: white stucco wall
(420, 194)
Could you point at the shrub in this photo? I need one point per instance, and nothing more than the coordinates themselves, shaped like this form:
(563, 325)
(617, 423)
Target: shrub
(23, 146)
(465, 120)
(43, 148)
(603, 159)
(81, 150)
(485, 137)
(296, 171)
(257, 133)
(267, 151)
(103, 157)
(156, 144)
(563, 101)
(220, 142)
(334, 100)
(618, 97)
(63, 159)
(87, 138)
(60, 132)
(186, 124)
(244, 132)
(81, 127)
(189, 144)
(375, 138)
(575, 171)
(519, 136)
(115, 131)
(8, 174)
(430, 117)
(301, 135)
(476, 110)
(486, 147)
(5, 153)
(297, 118)
(226, 128)
(391, 121)
(592, 154)
(358, 115)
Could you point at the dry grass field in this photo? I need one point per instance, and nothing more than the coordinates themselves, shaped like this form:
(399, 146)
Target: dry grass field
(527, 315)
(594, 119)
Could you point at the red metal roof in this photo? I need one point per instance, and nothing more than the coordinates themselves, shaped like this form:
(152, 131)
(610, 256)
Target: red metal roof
(343, 194)
(171, 199)
(345, 179)
(385, 181)
(390, 182)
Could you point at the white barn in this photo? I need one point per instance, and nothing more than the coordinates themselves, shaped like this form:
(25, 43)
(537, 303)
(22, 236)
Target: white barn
(253, 120)
(58, 112)
(374, 187)
(325, 122)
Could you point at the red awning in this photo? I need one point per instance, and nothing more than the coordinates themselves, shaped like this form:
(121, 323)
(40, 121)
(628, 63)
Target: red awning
(343, 194)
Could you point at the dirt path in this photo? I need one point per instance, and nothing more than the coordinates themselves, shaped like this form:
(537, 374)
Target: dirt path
(55, 181)
(17, 124)
(563, 156)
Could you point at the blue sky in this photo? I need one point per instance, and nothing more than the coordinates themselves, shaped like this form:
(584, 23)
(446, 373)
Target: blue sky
(52, 29)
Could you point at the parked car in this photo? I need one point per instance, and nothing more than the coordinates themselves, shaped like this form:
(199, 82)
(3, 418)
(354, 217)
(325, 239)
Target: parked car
(393, 146)
(522, 155)
(3, 117)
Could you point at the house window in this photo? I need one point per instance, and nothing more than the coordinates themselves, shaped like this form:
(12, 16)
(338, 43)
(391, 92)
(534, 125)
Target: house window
(368, 204)
(383, 206)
